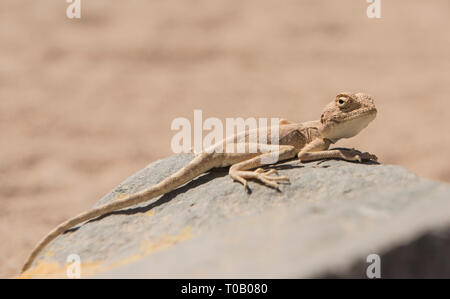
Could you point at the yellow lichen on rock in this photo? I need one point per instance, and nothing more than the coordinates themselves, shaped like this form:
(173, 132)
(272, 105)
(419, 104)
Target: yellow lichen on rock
(52, 269)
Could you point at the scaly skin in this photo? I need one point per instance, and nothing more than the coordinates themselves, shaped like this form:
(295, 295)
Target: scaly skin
(344, 117)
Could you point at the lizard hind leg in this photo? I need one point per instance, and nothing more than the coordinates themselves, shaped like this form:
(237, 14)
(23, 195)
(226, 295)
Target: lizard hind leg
(263, 177)
(241, 171)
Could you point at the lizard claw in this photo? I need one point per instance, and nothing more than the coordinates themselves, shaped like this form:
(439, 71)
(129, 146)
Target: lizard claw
(264, 177)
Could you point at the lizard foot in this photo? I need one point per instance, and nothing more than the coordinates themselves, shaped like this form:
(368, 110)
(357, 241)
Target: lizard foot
(259, 174)
(355, 155)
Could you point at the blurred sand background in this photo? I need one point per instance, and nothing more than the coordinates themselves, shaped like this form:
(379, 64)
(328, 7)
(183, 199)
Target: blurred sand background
(86, 103)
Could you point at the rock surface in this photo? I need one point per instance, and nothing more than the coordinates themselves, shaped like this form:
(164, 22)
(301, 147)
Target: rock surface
(324, 224)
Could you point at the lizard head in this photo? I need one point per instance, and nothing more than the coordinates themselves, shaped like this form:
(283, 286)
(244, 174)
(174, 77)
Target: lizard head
(347, 115)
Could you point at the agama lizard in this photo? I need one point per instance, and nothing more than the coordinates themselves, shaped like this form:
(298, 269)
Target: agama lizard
(344, 117)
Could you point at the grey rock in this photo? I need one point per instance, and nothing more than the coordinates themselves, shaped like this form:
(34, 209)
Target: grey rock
(324, 223)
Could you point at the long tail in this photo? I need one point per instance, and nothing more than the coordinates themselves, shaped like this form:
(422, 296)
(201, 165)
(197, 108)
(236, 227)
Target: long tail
(197, 166)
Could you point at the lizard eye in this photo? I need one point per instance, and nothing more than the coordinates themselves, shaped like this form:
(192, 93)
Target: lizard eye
(341, 101)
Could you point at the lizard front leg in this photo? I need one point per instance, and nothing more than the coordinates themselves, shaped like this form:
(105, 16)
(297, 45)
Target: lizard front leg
(239, 171)
(318, 150)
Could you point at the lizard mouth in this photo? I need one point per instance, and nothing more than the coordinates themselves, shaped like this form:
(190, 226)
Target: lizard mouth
(359, 113)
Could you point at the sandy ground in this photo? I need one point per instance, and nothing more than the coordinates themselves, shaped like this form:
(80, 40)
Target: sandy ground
(86, 103)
